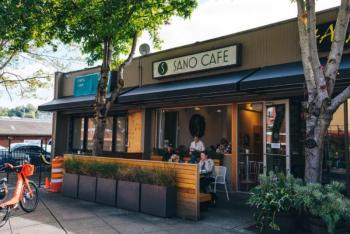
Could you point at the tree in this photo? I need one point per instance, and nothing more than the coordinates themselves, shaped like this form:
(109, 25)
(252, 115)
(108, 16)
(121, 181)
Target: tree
(320, 82)
(108, 30)
(23, 25)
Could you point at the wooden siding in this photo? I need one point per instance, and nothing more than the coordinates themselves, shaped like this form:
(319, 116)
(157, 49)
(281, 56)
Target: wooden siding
(187, 181)
(135, 132)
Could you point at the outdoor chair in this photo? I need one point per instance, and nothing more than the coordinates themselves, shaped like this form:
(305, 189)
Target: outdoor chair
(220, 178)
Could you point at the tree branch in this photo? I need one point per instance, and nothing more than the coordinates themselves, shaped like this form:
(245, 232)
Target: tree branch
(7, 61)
(120, 85)
(335, 55)
(339, 99)
(305, 52)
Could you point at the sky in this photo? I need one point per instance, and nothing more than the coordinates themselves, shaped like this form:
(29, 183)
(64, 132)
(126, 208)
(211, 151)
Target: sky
(211, 19)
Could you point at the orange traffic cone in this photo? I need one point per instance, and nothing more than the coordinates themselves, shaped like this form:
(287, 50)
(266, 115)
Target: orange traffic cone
(47, 183)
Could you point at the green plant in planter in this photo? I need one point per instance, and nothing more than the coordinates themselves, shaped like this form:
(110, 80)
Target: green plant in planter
(324, 201)
(72, 166)
(88, 168)
(107, 170)
(160, 177)
(274, 195)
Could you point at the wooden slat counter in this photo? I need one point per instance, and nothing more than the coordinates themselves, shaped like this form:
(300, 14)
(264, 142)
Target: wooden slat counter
(187, 181)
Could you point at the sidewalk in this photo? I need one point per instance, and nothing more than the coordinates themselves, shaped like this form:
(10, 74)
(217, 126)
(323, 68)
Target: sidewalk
(58, 214)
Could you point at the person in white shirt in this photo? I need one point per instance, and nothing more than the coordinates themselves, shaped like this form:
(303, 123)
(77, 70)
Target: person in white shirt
(197, 145)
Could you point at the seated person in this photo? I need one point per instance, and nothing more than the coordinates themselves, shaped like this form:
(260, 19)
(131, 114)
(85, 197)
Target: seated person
(206, 167)
(174, 158)
(224, 147)
(168, 152)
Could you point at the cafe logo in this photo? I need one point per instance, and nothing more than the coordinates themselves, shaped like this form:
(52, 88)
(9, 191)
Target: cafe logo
(211, 59)
(325, 34)
(162, 68)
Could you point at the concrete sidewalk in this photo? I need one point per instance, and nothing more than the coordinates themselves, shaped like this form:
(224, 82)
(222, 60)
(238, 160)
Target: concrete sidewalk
(58, 214)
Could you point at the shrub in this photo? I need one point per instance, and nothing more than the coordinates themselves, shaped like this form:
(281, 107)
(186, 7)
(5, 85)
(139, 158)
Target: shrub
(88, 168)
(72, 166)
(148, 176)
(325, 202)
(275, 195)
(107, 170)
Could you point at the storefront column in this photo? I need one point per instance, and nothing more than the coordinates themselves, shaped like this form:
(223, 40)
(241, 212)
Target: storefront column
(234, 147)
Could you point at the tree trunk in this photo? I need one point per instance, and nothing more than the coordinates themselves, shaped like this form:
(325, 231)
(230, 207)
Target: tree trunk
(101, 100)
(316, 129)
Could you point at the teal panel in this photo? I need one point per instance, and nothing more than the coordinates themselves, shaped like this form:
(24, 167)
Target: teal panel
(87, 84)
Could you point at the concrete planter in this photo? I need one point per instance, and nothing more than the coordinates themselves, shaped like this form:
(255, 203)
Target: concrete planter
(128, 195)
(106, 191)
(158, 200)
(87, 188)
(70, 185)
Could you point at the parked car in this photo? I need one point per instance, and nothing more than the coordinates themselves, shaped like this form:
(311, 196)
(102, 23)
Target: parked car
(20, 152)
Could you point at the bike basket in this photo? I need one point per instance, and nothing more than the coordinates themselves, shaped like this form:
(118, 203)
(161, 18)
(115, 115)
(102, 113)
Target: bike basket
(28, 169)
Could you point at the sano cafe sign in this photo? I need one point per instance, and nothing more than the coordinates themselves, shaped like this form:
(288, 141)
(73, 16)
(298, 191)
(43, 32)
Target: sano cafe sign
(325, 36)
(223, 57)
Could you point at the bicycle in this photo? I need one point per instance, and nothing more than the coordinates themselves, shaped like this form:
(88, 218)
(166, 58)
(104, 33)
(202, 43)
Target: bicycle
(25, 194)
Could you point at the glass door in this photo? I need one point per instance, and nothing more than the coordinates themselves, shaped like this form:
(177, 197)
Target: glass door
(276, 136)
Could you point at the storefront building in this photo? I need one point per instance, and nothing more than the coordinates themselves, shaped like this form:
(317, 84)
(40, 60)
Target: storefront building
(247, 88)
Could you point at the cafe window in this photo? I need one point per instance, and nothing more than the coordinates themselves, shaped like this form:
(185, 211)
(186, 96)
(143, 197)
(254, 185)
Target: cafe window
(121, 126)
(78, 133)
(108, 136)
(334, 163)
(90, 133)
(115, 136)
(211, 123)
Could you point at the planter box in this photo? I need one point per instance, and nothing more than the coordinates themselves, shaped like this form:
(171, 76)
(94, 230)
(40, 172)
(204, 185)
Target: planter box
(128, 195)
(70, 185)
(87, 188)
(106, 191)
(158, 200)
(317, 226)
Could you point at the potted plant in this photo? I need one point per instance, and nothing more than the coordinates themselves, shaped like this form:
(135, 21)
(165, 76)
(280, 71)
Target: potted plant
(106, 189)
(71, 177)
(87, 181)
(274, 201)
(128, 189)
(158, 193)
(324, 205)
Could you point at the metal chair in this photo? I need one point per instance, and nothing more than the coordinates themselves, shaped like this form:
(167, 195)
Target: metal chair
(220, 178)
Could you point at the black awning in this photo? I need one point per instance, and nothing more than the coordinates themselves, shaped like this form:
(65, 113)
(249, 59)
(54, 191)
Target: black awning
(68, 103)
(194, 88)
(284, 76)
(288, 76)
(72, 102)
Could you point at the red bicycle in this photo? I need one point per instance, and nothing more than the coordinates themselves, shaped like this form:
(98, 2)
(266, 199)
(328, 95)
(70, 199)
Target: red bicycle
(25, 194)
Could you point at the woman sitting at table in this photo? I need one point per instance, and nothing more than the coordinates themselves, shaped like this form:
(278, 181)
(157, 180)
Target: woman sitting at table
(206, 167)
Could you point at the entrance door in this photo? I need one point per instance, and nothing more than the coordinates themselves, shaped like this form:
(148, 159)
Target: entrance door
(276, 137)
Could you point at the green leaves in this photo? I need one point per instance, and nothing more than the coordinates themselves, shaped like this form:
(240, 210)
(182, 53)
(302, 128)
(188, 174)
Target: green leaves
(89, 22)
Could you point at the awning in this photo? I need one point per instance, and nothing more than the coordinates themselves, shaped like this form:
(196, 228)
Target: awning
(288, 76)
(284, 76)
(193, 88)
(68, 103)
(72, 102)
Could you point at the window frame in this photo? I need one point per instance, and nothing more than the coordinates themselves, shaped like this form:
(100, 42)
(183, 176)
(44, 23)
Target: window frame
(85, 134)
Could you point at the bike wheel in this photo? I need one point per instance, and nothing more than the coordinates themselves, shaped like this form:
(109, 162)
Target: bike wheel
(4, 216)
(29, 203)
